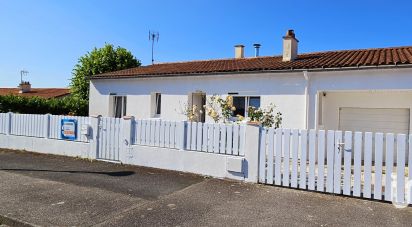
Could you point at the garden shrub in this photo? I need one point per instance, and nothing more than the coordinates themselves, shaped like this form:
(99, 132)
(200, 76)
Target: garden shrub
(35, 105)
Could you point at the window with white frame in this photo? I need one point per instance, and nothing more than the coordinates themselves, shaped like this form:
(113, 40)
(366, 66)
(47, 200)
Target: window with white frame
(242, 104)
(119, 106)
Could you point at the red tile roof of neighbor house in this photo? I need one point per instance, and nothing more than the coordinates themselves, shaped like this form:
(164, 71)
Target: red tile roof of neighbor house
(391, 56)
(39, 92)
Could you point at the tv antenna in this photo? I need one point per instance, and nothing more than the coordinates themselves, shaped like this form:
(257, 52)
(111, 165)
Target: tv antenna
(153, 36)
(23, 73)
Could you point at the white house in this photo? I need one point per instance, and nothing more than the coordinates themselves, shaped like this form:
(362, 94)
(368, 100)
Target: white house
(366, 90)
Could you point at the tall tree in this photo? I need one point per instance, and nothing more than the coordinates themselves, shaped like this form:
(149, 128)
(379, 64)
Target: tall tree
(105, 59)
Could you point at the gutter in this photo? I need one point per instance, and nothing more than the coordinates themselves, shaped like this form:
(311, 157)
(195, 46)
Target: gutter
(291, 70)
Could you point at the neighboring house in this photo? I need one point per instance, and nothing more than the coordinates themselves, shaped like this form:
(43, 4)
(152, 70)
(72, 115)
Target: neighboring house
(26, 90)
(366, 90)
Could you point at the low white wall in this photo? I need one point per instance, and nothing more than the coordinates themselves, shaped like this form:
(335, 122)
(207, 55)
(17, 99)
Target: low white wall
(203, 163)
(209, 164)
(47, 146)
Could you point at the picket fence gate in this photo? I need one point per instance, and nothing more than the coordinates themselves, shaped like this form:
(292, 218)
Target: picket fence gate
(109, 139)
(331, 161)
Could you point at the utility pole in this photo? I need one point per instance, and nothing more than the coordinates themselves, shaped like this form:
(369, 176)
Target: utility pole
(153, 36)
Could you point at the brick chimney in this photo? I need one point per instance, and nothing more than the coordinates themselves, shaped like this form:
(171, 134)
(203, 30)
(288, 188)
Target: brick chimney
(239, 51)
(290, 46)
(25, 87)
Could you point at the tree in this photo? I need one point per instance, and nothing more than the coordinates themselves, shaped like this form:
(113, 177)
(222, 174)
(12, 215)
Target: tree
(105, 59)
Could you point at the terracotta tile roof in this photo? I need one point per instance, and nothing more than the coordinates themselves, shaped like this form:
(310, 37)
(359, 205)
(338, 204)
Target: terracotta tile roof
(318, 60)
(39, 92)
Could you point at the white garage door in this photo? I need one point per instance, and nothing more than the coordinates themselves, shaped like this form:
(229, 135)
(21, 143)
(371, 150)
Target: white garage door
(374, 120)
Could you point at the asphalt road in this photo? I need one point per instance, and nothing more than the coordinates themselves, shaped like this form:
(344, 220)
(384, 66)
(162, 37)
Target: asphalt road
(51, 190)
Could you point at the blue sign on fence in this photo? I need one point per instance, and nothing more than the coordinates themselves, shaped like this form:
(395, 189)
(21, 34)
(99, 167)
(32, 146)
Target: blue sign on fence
(68, 129)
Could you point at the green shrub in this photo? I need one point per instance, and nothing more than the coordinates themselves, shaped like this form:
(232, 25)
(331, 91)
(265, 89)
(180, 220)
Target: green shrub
(36, 105)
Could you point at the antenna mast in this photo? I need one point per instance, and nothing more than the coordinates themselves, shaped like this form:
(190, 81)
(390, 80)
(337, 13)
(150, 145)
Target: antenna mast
(153, 36)
(23, 73)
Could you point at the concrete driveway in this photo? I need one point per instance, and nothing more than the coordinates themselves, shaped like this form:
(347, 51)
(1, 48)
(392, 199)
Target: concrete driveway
(50, 190)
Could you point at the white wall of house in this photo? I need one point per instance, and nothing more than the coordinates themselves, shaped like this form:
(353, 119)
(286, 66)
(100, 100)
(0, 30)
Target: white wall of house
(285, 90)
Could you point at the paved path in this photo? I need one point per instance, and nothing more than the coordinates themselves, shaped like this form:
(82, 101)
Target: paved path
(59, 191)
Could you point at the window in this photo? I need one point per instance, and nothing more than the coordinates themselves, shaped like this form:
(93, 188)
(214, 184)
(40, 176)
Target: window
(242, 103)
(119, 106)
(254, 101)
(239, 103)
(156, 104)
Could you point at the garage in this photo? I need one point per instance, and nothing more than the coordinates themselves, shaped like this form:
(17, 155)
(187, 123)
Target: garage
(365, 111)
(386, 120)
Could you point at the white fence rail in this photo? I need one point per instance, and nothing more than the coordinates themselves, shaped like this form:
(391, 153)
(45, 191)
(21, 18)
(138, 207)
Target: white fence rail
(33, 125)
(4, 123)
(158, 133)
(216, 138)
(338, 162)
(41, 126)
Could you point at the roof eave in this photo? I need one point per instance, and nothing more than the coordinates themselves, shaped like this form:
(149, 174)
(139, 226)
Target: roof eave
(291, 70)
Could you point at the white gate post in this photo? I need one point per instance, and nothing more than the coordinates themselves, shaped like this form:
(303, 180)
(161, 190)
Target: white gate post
(251, 164)
(94, 135)
(8, 122)
(126, 138)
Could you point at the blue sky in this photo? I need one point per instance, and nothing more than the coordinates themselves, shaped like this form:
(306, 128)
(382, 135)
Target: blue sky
(47, 37)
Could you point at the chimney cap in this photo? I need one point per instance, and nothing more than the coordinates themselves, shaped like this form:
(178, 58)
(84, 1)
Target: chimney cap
(257, 45)
(239, 45)
(290, 34)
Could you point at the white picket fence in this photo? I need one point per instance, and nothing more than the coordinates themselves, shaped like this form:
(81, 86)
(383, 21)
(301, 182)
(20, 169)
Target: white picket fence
(36, 125)
(33, 125)
(158, 133)
(216, 138)
(4, 123)
(213, 138)
(367, 165)
(332, 162)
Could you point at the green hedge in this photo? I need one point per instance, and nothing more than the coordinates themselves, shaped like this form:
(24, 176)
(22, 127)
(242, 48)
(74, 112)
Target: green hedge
(35, 105)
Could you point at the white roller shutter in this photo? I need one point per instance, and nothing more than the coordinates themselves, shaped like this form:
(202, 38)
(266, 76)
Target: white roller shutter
(386, 120)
